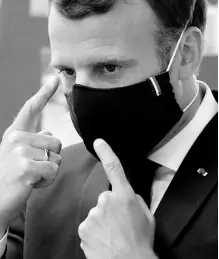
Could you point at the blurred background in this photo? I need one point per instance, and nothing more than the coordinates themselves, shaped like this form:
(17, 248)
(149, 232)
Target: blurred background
(25, 55)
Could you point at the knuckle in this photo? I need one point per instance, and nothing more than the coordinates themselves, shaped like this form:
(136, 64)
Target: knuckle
(54, 168)
(113, 166)
(26, 165)
(20, 150)
(30, 105)
(57, 144)
(82, 229)
(103, 197)
(55, 158)
(13, 137)
(93, 213)
(7, 132)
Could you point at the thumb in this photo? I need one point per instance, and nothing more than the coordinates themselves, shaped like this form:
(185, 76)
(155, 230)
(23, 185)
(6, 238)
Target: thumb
(45, 132)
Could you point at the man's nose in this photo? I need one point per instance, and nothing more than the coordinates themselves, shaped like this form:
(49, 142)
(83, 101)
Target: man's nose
(83, 78)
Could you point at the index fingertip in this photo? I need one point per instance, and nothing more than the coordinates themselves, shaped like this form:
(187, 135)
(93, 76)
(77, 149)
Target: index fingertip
(48, 89)
(99, 142)
(53, 82)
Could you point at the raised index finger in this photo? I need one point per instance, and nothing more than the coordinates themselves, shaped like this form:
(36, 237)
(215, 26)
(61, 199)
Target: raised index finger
(29, 115)
(112, 166)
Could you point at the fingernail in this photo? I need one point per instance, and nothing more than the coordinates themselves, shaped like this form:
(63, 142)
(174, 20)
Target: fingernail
(99, 142)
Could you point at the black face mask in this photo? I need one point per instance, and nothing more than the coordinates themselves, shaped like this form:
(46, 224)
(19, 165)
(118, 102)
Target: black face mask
(131, 119)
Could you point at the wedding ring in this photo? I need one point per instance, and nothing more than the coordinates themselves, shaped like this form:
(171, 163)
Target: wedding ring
(46, 155)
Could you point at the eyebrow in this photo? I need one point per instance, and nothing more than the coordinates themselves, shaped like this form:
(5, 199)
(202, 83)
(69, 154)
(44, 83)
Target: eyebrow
(100, 61)
(58, 66)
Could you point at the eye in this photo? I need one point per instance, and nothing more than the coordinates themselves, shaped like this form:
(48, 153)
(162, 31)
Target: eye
(110, 69)
(67, 71)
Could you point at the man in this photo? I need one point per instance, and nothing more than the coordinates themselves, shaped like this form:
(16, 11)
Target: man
(129, 71)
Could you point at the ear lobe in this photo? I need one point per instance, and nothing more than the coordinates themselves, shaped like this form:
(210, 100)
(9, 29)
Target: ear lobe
(191, 51)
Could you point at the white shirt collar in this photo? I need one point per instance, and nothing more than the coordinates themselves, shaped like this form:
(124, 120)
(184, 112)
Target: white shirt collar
(172, 153)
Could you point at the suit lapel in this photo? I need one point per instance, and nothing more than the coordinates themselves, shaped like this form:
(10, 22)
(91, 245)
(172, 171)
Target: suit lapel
(188, 190)
(183, 198)
(95, 184)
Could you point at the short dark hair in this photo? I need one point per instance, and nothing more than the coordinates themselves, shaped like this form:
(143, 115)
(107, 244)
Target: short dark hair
(172, 16)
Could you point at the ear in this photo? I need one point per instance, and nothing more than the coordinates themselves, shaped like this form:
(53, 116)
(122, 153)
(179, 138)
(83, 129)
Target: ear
(191, 50)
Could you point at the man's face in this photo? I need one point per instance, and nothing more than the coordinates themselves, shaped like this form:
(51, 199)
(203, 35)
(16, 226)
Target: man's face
(111, 50)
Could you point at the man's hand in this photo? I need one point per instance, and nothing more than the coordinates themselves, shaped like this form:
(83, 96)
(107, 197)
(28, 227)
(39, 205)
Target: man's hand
(121, 226)
(21, 157)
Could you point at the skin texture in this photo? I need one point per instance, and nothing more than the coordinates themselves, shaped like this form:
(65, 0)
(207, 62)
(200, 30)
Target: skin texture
(121, 226)
(88, 47)
(22, 167)
(99, 38)
(85, 51)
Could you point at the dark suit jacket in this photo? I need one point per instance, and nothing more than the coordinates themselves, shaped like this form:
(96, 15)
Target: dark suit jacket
(186, 219)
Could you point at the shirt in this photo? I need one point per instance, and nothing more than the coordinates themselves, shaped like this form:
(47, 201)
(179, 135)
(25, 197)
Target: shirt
(171, 155)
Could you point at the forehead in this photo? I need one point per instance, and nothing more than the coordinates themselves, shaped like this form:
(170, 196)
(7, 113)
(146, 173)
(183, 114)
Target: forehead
(125, 30)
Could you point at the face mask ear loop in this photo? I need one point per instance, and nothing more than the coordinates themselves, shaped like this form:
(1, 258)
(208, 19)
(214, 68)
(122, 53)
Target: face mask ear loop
(193, 99)
(176, 48)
